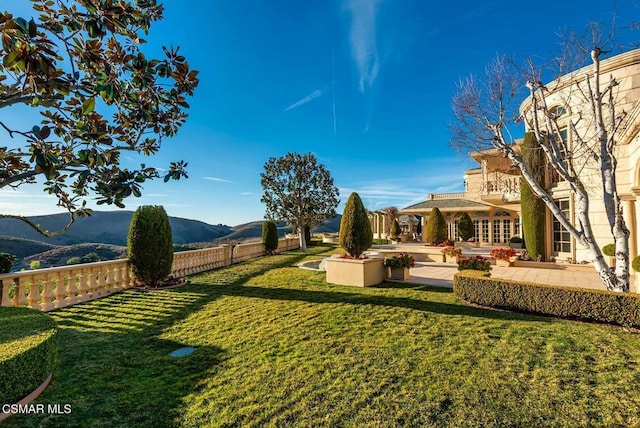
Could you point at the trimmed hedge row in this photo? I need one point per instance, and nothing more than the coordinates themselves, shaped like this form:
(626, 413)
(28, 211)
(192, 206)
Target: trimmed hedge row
(566, 302)
(28, 348)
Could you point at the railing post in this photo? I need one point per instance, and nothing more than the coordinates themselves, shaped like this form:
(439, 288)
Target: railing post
(34, 292)
(47, 291)
(4, 283)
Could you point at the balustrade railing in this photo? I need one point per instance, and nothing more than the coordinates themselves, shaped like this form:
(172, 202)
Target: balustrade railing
(57, 287)
(450, 195)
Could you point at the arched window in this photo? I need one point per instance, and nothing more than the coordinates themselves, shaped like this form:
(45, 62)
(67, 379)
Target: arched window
(557, 112)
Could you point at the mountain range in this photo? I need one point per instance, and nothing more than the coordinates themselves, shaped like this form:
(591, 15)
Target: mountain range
(88, 234)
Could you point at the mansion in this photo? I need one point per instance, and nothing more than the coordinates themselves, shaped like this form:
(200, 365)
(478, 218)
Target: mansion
(492, 190)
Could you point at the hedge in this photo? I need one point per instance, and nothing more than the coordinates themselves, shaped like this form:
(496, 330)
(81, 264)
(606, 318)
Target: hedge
(566, 302)
(28, 348)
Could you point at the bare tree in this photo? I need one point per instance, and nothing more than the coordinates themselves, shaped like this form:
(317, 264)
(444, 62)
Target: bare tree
(390, 214)
(487, 109)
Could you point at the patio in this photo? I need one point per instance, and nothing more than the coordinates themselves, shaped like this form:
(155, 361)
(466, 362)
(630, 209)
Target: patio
(441, 274)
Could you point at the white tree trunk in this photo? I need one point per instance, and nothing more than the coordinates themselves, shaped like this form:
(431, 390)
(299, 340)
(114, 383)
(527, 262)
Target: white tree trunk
(303, 242)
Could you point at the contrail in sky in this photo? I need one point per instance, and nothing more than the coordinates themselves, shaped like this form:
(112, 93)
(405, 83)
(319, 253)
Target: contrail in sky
(312, 96)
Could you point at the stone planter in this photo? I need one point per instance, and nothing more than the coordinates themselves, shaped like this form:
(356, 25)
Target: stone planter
(398, 273)
(452, 259)
(516, 246)
(503, 263)
(358, 273)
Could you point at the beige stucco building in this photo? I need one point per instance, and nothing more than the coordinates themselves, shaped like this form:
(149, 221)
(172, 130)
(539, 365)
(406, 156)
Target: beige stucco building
(492, 191)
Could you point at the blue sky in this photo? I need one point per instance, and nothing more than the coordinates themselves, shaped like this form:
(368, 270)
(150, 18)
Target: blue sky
(366, 85)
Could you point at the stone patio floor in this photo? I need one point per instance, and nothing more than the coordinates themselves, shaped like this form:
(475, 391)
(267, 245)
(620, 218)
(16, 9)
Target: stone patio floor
(441, 275)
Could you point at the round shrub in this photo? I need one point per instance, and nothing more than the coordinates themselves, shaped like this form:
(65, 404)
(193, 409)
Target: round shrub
(356, 235)
(395, 228)
(635, 263)
(6, 262)
(270, 236)
(74, 260)
(150, 244)
(515, 240)
(436, 229)
(609, 250)
(465, 227)
(28, 345)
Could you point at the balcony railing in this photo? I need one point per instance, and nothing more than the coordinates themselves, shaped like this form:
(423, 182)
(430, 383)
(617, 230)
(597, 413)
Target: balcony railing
(451, 195)
(506, 189)
(57, 287)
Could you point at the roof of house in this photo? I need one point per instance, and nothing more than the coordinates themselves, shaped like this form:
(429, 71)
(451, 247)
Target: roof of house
(448, 205)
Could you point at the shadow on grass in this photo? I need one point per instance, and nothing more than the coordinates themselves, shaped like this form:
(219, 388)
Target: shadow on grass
(114, 368)
(420, 287)
(312, 296)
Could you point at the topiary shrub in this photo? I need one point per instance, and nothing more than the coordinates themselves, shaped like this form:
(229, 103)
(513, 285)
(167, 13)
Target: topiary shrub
(465, 227)
(356, 235)
(436, 229)
(609, 250)
(150, 244)
(635, 263)
(396, 230)
(28, 346)
(515, 240)
(270, 236)
(6, 262)
(533, 209)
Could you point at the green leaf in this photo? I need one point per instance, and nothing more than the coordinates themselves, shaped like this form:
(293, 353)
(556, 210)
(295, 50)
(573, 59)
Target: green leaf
(88, 105)
(11, 59)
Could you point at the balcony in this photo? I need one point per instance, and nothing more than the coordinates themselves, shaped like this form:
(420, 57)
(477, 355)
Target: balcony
(503, 190)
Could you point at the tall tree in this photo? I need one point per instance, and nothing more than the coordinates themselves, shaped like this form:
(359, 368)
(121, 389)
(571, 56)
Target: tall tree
(299, 190)
(94, 95)
(484, 110)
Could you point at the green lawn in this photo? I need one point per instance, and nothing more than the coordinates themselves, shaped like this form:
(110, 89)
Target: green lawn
(278, 346)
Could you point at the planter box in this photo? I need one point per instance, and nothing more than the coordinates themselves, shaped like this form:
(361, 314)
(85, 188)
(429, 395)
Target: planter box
(516, 246)
(398, 273)
(358, 273)
(503, 263)
(452, 259)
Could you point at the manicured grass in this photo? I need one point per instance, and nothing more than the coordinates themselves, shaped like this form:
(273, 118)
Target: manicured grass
(278, 346)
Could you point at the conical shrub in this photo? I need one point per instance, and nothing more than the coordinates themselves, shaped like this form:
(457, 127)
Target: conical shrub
(465, 227)
(150, 244)
(436, 229)
(533, 208)
(270, 236)
(395, 228)
(356, 235)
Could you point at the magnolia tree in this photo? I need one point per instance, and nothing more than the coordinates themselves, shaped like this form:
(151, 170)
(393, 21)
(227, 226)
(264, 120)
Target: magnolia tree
(299, 190)
(94, 94)
(486, 109)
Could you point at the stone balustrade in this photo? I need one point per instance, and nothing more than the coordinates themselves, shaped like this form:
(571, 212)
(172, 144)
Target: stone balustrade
(57, 287)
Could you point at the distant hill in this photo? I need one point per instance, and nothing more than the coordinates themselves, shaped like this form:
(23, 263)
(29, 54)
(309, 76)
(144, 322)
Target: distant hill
(83, 253)
(107, 227)
(22, 247)
(254, 229)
